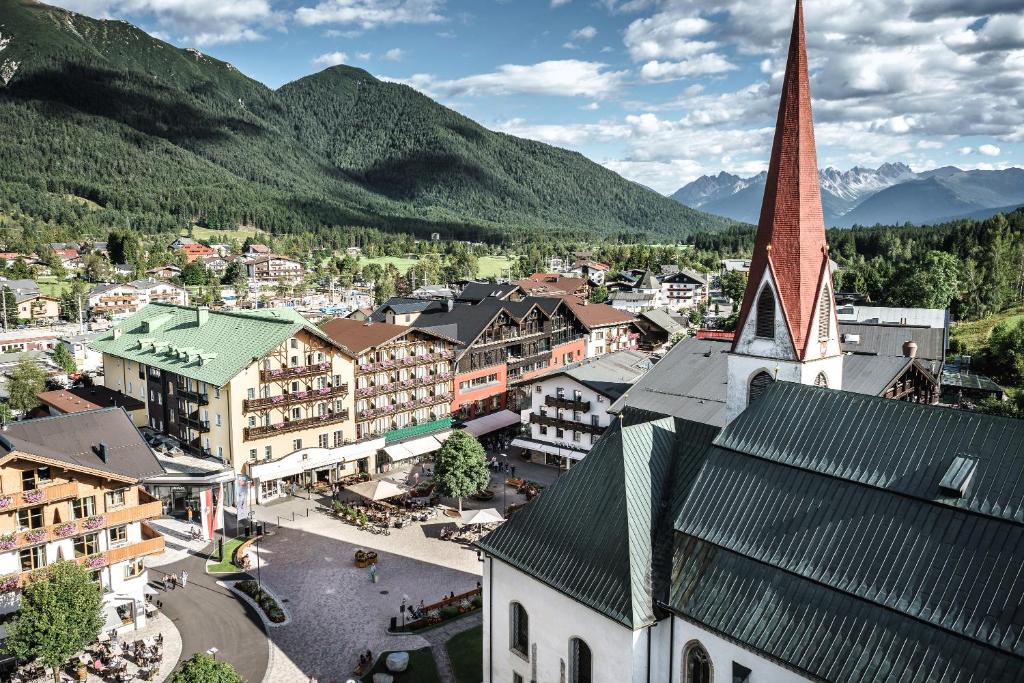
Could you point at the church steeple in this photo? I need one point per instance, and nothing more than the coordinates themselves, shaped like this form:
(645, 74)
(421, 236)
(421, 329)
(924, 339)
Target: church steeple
(791, 231)
(787, 329)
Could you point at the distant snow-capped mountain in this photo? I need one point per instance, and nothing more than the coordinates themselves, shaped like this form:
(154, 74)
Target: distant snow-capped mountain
(889, 194)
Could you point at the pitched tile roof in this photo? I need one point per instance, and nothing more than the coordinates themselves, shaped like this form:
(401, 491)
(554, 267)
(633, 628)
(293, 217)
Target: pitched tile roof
(551, 284)
(80, 399)
(358, 335)
(597, 315)
(169, 337)
(791, 231)
(74, 439)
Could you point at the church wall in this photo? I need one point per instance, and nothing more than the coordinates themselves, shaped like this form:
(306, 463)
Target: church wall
(781, 347)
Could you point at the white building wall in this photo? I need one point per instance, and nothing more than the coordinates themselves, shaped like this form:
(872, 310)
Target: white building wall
(549, 387)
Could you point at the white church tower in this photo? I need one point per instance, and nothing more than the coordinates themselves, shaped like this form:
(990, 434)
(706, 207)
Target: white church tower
(787, 328)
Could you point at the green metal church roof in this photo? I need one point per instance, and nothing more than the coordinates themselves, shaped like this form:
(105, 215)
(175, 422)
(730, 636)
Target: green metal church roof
(170, 338)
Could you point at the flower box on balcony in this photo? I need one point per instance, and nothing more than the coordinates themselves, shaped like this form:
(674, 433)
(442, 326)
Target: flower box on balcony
(94, 522)
(65, 529)
(8, 583)
(33, 496)
(5, 501)
(36, 536)
(96, 562)
(8, 541)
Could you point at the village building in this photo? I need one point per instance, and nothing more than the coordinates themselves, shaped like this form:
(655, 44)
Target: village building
(70, 491)
(642, 294)
(277, 408)
(86, 360)
(607, 329)
(115, 301)
(271, 269)
(793, 531)
(164, 272)
(684, 290)
(553, 284)
(657, 328)
(84, 398)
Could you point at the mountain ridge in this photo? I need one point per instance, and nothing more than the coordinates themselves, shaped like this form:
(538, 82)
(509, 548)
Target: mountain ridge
(165, 136)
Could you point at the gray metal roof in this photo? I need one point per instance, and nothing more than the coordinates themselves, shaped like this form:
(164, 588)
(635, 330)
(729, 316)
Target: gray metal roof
(927, 317)
(689, 382)
(662, 319)
(610, 375)
(887, 339)
(871, 374)
(968, 380)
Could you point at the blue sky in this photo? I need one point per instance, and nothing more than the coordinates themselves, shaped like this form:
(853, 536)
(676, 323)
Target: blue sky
(661, 91)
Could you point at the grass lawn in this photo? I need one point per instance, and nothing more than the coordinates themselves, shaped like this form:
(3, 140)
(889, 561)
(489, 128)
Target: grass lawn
(974, 334)
(403, 264)
(218, 236)
(493, 266)
(466, 651)
(226, 567)
(422, 668)
(51, 286)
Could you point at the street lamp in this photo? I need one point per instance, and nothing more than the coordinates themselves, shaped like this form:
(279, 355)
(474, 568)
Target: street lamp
(504, 489)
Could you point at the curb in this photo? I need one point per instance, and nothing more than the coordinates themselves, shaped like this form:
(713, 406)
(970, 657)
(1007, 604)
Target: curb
(230, 585)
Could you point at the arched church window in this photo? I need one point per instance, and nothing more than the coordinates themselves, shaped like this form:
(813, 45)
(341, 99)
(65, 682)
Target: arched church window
(697, 663)
(519, 629)
(758, 384)
(821, 380)
(765, 323)
(580, 667)
(824, 313)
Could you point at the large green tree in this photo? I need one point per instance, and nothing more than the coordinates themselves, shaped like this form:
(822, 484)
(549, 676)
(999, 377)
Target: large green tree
(460, 468)
(202, 668)
(59, 615)
(25, 381)
(64, 360)
(734, 285)
(8, 307)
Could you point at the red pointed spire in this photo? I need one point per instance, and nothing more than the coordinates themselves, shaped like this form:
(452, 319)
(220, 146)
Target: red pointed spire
(791, 232)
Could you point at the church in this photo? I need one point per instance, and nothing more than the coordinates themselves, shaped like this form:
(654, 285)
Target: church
(814, 533)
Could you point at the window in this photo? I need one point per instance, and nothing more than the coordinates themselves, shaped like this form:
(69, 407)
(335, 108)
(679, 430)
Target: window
(134, 568)
(594, 420)
(296, 413)
(252, 455)
(516, 678)
(33, 558)
(293, 343)
(559, 433)
(697, 664)
(115, 498)
(580, 666)
(543, 429)
(519, 630)
(220, 452)
(824, 313)
(89, 544)
(30, 479)
(765, 323)
(118, 534)
(83, 507)
(576, 436)
(296, 444)
(216, 393)
(821, 380)
(539, 389)
(740, 673)
(250, 393)
(758, 384)
(268, 452)
(30, 518)
(252, 420)
(324, 440)
(339, 439)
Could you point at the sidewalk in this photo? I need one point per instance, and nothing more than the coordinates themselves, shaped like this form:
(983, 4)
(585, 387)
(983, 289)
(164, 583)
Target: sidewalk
(177, 539)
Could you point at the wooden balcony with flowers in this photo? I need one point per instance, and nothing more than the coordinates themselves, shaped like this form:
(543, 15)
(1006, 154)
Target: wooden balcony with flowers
(39, 496)
(263, 431)
(297, 371)
(406, 362)
(54, 532)
(402, 385)
(147, 546)
(291, 398)
(426, 401)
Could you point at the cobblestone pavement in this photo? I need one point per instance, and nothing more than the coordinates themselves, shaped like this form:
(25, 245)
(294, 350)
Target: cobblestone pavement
(177, 541)
(156, 624)
(336, 611)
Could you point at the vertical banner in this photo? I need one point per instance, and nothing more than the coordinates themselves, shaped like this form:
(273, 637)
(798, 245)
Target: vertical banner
(218, 516)
(242, 497)
(206, 513)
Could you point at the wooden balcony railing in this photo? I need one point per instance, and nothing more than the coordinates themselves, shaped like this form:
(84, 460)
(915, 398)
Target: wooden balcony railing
(76, 527)
(251, 404)
(298, 371)
(198, 397)
(403, 385)
(515, 363)
(370, 413)
(148, 546)
(263, 431)
(407, 362)
(565, 424)
(40, 496)
(195, 422)
(567, 404)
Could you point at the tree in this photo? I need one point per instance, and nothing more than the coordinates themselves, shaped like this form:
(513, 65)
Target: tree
(195, 274)
(734, 285)
(8, 307)
(1005, 352)
(460, 468)
(202, 668)
(931, 283)
(70, 300)
(64, 360)
(6, 416)
(123, 247)
(599, 294)
(59, 615)
(94, 267)
(26, 380)
(19, 270)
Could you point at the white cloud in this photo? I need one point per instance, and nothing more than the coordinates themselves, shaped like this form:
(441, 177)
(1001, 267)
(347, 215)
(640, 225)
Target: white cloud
(363, 56)
(667, 35)
(559, 3)
(989, 150)
(565, 135)
(395, 54)
(592, 106)
(710, 63)
(966, 150)
(929, 144)
(371, 13)
(563, 77)
(585, 33)
(330, 59)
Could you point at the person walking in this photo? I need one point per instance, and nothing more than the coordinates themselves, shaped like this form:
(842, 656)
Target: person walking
(173, 578)
(188, 513)
(184, 578)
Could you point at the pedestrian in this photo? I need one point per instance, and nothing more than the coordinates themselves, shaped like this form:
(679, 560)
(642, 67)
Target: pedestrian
(188, 513)
(184, 578)
(373, 573)
(173, 578)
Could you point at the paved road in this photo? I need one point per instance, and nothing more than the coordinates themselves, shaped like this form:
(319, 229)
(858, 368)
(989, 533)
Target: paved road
(208, 615)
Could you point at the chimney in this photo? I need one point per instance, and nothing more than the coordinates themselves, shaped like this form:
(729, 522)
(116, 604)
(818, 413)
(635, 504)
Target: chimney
(202, 315)
(101, 450)
(910, 349)
(118, 332)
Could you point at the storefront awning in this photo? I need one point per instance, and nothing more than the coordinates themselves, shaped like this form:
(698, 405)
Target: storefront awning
(493, 422)
(550, 449)
(306, 459)
(415, 447)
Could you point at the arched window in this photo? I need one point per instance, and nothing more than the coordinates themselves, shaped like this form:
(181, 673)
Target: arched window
(765, 323)
(758, 384)
(519, 629)
(580, 666)
(824, 313)
(821, 380)
(697, 663)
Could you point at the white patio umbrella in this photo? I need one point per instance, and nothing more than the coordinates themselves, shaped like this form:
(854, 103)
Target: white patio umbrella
(485, 516)
(376, 490)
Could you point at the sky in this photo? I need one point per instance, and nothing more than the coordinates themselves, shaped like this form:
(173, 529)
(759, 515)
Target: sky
(660, 91)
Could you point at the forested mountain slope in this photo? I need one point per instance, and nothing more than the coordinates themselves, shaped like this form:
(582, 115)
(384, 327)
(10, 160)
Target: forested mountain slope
(161, 137)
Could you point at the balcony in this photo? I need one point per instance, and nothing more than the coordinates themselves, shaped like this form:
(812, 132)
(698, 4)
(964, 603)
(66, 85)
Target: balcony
(515, 363)
(407, 362)
(263, 431)
(394, 387)
(549, 421)
(148, 546)
(197, 397)
(196, 448)
(286, 399)
(567, 404)
(195, 422)
(298, 371)
(370, 413)
(94, 523)
(40, 496)
(510, 339)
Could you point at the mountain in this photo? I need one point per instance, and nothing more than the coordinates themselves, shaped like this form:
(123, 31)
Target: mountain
(161, 136)
(740, 198)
